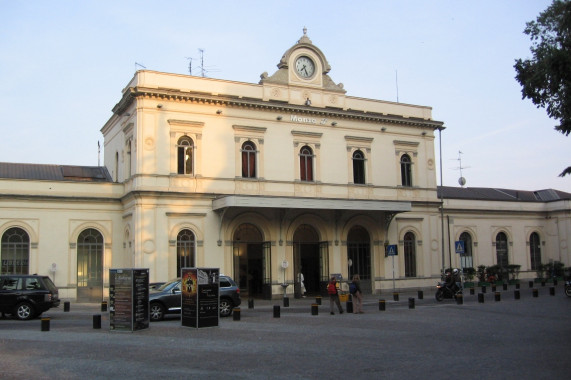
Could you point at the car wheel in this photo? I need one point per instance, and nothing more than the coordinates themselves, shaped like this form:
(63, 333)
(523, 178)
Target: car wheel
(225, 307)
(157, 312)
(24, 311)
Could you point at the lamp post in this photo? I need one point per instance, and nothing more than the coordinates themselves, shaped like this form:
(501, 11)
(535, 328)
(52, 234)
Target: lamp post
(441, 195)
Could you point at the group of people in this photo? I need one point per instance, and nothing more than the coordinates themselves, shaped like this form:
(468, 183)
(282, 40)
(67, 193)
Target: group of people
(354, 289)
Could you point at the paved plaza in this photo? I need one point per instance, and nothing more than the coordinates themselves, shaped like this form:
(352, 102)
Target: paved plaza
(529, 338)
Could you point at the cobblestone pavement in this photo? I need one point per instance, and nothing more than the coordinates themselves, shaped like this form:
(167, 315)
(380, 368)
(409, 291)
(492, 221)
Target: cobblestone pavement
(505, 338)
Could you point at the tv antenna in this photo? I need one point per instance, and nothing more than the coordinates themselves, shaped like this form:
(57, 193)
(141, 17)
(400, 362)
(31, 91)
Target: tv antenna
(189, 65)
(461, 180)
(204, 70)
(139, 65)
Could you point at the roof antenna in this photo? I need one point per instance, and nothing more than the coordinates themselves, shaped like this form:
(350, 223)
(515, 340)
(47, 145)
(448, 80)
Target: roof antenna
(139, 65)
(461, 180)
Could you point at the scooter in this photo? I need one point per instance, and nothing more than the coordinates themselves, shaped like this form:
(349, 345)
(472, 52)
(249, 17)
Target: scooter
(443, 291)
(568, 288)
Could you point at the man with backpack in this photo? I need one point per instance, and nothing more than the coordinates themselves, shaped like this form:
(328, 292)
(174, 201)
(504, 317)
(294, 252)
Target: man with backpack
(333, 291)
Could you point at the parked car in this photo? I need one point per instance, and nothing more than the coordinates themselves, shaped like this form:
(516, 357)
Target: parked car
(167, 298)
(155, 285)
(27, 296)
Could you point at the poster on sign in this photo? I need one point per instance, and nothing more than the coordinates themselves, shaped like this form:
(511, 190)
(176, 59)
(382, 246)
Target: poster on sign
(128, 299)
(200, 297)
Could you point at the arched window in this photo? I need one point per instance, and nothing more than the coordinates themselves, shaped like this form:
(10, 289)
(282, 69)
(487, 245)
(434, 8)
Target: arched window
(116, 174)
(306, 164)
(406, 170)
(535, 250)
(15, 251)
(358, 167)
(128, 174)
(185, 250)
(249, 160)
(466, 258)
(409, 255)
(185, 155)
(502, 250)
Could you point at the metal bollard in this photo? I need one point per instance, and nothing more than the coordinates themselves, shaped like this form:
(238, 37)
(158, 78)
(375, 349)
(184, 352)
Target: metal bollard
(480, 297)
(314, 309)
(497, 296)
(286, 301)
(104, 306)
(66, 306)
(531, 284)
(251, 303)
(276, 311)
(516, 294)
(382, 306)
(349, 306)
(46, 324)
(552, 291)
(459, 299)
(236, 314)
(97, 321)
(318, 300)
(411, 303)
(420, 294)
(395, 296)
(535, 292)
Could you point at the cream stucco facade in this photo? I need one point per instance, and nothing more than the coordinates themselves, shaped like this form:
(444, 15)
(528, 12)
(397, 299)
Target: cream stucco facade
(265, 181)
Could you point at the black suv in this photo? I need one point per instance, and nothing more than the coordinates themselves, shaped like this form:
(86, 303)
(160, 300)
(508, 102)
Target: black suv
(27, 296)
(167, 298)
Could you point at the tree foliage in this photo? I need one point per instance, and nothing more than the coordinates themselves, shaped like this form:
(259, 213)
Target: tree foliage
(546, 78)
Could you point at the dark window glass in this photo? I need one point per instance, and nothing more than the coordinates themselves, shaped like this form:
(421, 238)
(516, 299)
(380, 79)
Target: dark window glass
(358, 167)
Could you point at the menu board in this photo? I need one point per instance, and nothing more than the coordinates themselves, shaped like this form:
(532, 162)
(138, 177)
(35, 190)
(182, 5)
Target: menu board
(200, 297)
(128, 299)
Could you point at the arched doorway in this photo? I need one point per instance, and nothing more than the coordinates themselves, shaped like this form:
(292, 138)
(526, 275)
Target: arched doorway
(311, 259)
(90, 266)
(252, 264)
(359, 256)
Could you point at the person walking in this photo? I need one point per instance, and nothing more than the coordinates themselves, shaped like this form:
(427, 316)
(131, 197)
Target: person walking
(356, 294)
(333, 292)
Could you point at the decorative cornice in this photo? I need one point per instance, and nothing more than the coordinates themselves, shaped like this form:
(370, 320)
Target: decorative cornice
(271, 105)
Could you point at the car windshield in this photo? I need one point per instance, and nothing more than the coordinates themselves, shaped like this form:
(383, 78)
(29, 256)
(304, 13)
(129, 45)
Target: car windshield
(167, 285)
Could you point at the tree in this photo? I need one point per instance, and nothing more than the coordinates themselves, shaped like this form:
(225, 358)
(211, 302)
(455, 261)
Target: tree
(546, 78)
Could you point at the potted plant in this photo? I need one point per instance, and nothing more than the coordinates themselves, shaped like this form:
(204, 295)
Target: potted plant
(513, 270)
(469, 275)
(540, 272)
(482, 276)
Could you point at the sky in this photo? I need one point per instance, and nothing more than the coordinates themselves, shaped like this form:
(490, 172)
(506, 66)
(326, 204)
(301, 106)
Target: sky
(63, 65)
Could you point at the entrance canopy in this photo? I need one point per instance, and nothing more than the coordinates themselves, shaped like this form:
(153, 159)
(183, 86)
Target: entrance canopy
(308, 203)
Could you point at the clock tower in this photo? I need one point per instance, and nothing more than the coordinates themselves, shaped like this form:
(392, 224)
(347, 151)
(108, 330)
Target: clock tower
(302, 77)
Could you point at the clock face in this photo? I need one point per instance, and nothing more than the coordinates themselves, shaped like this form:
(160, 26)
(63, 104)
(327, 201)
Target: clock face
(304, 67)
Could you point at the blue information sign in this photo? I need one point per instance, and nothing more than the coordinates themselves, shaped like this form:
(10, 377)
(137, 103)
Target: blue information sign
(459, 247)
(391, 250)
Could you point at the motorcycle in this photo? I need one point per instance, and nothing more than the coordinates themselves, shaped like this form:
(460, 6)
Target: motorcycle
(443, 291)
(568, 288)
